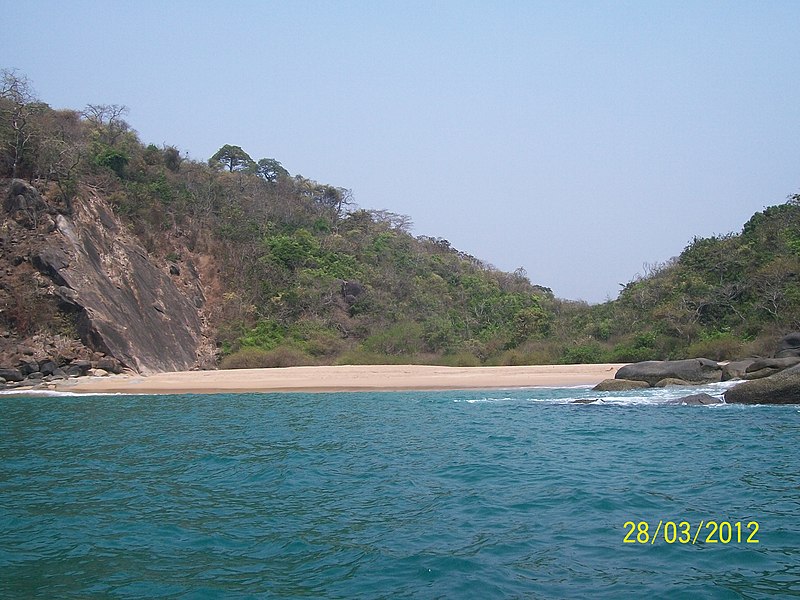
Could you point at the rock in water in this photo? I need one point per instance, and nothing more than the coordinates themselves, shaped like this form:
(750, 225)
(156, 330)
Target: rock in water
(619, 385)
(692, 370)
(781, 388)
(696, 400)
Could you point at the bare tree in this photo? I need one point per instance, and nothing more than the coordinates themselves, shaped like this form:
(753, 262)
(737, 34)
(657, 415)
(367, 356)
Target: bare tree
(107, 120)
(15, 112)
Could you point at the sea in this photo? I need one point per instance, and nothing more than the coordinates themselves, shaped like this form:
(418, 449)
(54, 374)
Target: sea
(450, 494)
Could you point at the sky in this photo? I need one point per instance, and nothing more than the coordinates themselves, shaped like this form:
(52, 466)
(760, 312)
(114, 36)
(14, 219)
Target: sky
(582, 141)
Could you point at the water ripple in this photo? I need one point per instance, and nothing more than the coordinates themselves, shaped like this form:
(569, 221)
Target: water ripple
(453, 494)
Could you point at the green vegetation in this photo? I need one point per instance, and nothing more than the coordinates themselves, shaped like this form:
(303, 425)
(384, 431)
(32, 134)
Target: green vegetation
(724, 297)
(309, 278)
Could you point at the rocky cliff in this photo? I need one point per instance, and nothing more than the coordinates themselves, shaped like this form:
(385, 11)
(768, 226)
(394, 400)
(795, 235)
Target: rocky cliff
(125, 303)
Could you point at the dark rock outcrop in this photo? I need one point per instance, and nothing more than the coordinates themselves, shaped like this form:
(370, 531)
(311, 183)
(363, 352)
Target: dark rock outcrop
(78, 368)
(351, 290)
(127, 308)
(24, 203)
(781, 388)
(789, 345)
(619, 385)
(11, 374)
(693, 370)
(695, 400)
(736, 369)
(769, 366)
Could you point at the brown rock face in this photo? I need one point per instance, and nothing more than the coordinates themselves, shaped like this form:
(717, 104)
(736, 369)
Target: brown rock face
(128, 307)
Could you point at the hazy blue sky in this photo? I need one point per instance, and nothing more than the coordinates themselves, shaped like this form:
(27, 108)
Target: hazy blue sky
(578, 140)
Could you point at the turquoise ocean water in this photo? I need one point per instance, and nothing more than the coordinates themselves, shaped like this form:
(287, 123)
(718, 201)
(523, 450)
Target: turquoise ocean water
(463, 494)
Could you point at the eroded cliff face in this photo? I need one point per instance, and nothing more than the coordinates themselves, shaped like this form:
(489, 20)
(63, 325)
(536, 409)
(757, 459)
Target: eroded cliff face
(127, 305)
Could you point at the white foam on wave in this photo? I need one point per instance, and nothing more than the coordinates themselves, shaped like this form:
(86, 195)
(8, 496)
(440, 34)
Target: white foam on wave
(649, 396)
(56, 393)
(483, 400)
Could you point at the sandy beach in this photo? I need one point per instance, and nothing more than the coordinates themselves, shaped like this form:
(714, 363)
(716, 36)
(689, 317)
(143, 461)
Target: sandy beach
(345, 378)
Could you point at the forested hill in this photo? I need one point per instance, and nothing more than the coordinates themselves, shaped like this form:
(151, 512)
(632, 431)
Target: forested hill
(112, 247)
(724, 297)
(281, 269)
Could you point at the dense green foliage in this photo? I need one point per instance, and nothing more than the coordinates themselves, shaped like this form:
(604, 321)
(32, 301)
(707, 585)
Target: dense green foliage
(723, 297)
(283, 246)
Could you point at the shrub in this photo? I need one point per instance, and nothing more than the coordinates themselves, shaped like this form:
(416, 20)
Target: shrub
(461, 359)
(719, 347)
(365, 357)
(266, 335)
(583, 354)
(400, 339)
(641, 347)
(113, 159)
(322, 342)
(256, 358)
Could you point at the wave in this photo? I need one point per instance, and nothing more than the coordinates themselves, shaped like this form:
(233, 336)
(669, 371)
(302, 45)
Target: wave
(56, 393)
(585, 395)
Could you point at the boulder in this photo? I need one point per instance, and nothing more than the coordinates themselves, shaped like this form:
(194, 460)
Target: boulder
(78, 368)
(789, 345)
(26, 367)
(47, 367)
(760, 374)
(695, 400)
(693, 370)
(351, 290)
(769, 366)
(736, 369)
(11, 374)
(110, 364)
(23, 197)
(781, 388)
(619, 385)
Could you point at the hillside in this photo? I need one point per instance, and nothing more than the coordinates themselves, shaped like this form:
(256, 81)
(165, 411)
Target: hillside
(277, 269)
(133, 253)
(723, 297)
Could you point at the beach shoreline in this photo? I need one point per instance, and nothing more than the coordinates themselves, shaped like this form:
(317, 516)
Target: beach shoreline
(342, 378)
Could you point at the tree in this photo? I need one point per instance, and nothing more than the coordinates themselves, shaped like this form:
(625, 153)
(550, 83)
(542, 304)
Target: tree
(172, 158)
(234, 158)
(113, 159)
(332, 197)
(271, 170)
(18, 104)
(107, 121)
(60, 146)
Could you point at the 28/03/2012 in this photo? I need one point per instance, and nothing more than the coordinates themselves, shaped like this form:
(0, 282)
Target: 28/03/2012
(716, 532)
